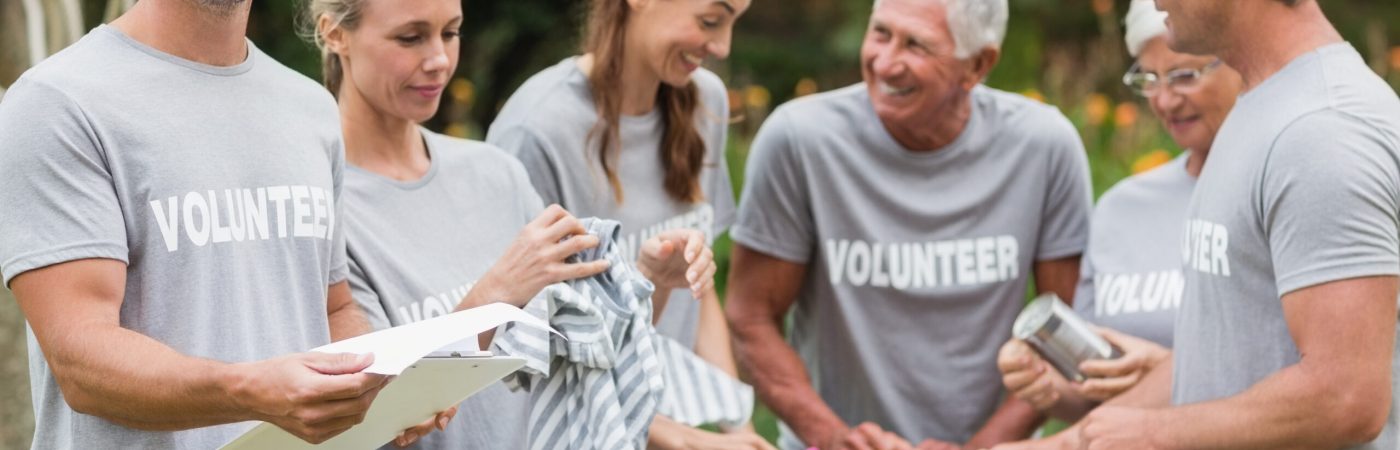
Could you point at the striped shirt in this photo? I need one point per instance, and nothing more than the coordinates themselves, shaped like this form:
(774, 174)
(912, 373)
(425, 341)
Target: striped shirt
(598, 385)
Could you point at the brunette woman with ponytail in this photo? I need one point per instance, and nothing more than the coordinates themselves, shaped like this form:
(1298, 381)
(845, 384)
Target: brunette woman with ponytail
(634, 130)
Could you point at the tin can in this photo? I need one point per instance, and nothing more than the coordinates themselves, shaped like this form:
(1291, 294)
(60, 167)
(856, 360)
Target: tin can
(1060, 336)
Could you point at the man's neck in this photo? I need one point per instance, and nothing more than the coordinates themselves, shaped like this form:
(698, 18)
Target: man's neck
(940, 130)
(1275, 35)
(189, 31)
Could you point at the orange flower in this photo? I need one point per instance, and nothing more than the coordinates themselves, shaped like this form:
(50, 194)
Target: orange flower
(805, 86)
(1395, 58)
(736, 100)
(1096, 109)
(757, 97)
(462, 91)
(1151, 160)
(1034, 95)
(456, 130)
(1125, 115)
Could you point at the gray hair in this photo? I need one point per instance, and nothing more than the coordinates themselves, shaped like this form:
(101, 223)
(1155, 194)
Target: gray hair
(976, 25)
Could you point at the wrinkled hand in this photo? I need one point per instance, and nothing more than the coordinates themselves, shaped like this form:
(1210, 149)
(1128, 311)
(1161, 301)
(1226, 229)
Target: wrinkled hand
(678, 258)
(313, 396)
(1109, 377)
(1028, 376)
(867, 436)
(438, 422)
(536, 258)
(1112, 427)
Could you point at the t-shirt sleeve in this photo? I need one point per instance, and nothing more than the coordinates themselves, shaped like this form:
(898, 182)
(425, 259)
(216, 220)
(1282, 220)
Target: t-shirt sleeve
(362, 289)
(339, 270)
(720, 189)
(1329, 199)
(1064, 225)
(775, 215)
(57, 195)
(533, 152)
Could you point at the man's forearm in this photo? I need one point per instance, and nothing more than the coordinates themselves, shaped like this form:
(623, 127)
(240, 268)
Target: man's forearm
(782, 382)
(1013, 421)
(1290, 409)
(135, 381)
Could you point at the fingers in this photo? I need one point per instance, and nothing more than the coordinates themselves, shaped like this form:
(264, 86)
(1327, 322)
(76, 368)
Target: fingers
(411, 435)
(694, 245)
(549, 216)
(580, 270)
(1106, 388)
(571, 246)
(1041, 394)
(1107, 368)
(1023, 373)
(564, 227)
(337, 363)
(1015, 355)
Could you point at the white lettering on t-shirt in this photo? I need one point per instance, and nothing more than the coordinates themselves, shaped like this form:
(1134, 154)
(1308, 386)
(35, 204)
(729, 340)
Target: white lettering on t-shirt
(919, 265)
(433, 305)
(1129, 293)
(1206, 248)
(701, 218)
(240, 215)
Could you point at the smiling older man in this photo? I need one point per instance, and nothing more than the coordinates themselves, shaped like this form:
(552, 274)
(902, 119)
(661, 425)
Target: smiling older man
(900, 222)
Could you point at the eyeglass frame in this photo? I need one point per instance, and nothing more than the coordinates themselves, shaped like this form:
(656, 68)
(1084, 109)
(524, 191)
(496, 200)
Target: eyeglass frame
(1176, 74)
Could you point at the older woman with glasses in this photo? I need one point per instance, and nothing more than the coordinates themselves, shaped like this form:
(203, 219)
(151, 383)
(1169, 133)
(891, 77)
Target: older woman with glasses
(1130, 278)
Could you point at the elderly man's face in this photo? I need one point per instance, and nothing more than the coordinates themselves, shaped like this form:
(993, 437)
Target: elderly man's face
(908, 63)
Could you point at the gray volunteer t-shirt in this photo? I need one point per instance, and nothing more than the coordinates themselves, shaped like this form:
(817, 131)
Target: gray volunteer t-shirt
(417, 247)
(218, 187)
(1301, 189)
(1130, 278)
(546, 124)
(917, 263)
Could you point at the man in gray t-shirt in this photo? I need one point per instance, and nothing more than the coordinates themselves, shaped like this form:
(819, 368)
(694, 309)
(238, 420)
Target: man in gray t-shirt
(170, 230)
(900, 222)
(1286, 335)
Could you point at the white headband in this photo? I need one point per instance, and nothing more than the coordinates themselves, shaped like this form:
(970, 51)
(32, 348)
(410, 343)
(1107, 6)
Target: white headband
(1143, 23)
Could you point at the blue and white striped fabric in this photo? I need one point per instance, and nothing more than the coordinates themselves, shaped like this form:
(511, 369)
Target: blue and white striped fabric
(698, 393)
(598, 385)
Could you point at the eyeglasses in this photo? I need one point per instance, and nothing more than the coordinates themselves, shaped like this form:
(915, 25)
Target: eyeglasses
(1179, 80)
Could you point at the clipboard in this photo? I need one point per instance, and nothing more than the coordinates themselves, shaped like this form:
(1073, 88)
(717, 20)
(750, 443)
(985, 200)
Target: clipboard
(430, 385)
(437, 365)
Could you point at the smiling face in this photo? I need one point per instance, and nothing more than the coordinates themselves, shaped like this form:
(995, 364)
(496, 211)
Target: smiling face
(674, 37)
(401, 55)
(908, 63)
(1192, 115)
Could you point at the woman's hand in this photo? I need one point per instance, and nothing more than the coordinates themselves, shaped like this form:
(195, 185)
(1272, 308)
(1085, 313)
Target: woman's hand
(676, 259)
(1109, 377)
(537, 259)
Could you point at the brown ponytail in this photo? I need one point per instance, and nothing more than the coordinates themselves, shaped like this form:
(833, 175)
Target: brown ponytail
(682, 149)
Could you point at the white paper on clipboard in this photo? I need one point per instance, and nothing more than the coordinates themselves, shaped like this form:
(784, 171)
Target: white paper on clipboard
(425, 384)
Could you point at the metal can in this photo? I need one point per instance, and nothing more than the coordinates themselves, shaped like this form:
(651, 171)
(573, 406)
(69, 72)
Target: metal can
(1060, 336)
